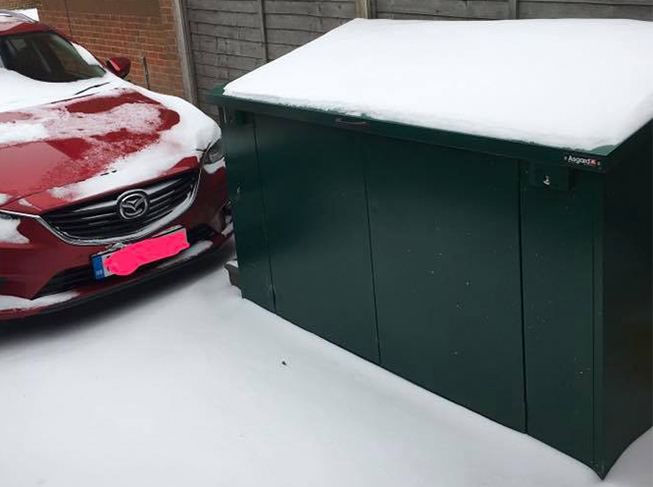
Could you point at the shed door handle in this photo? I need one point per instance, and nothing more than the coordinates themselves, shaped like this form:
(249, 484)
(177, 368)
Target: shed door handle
(351, 121)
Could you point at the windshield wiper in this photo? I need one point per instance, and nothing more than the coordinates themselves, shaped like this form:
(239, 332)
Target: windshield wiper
(91, 87)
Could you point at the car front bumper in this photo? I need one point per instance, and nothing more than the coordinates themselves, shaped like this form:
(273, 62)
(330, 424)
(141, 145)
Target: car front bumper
(46, 272)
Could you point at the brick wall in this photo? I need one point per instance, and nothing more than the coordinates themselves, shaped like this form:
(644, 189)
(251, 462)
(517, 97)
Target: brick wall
(131, 28)
(19, 4)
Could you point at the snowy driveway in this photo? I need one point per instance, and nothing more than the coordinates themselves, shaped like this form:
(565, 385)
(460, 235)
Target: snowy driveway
(184, 384)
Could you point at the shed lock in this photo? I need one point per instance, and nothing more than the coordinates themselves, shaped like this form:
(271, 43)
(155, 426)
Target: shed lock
(550, 177)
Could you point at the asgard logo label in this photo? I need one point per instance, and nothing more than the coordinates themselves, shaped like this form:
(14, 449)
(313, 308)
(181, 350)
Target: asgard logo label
(582, 161)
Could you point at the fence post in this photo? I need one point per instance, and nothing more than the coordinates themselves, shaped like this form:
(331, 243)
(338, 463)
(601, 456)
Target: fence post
(182, 29)
(363, 9)
(513, 9)
(263, 28)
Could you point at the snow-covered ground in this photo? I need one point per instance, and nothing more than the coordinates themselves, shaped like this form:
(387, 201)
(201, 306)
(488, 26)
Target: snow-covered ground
(182, 383)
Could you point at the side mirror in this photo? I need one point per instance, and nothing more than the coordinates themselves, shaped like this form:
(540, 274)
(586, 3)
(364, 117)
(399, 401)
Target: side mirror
(120, 66)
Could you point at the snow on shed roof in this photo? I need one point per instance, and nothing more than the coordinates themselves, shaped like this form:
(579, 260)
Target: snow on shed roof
(581, 84)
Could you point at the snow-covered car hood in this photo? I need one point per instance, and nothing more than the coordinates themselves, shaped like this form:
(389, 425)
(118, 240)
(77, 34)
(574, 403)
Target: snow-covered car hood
(59, 145)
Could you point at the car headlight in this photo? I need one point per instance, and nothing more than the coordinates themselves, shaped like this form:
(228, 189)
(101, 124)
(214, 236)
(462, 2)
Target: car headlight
(215, 153)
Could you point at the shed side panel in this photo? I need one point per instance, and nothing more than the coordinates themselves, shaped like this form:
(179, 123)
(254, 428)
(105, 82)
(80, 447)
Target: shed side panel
(247, 204)
(628, 309)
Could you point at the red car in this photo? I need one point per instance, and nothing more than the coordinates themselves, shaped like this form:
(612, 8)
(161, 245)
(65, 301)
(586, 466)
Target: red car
(102, 183)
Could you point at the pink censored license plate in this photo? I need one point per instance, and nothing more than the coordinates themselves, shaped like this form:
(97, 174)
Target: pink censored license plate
(127, 260)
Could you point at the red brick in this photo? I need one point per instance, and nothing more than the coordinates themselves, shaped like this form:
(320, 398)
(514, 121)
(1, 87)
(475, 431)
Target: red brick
(19, 4)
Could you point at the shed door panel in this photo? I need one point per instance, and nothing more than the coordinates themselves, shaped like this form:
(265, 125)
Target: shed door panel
(558, 256)
(445, 245)
(317, 225)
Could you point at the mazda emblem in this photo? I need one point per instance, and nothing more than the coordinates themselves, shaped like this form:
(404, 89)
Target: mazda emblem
(133, 204)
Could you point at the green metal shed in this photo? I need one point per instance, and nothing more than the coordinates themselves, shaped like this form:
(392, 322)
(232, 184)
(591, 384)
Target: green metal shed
(512, 278)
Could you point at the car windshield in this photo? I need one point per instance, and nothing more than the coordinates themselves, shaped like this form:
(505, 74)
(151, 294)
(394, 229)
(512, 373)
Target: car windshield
(46, 56)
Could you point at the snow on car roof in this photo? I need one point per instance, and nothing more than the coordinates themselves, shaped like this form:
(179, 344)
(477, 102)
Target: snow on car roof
(8, 21)
(581, 84)
(14, 21)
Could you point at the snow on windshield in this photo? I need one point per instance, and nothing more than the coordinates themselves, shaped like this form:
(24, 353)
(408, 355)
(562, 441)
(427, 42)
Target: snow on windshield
(86, 56)
(20, 92)
(580, 84)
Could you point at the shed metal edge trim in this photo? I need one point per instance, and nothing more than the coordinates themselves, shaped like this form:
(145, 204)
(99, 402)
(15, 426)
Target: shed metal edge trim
(601, 160)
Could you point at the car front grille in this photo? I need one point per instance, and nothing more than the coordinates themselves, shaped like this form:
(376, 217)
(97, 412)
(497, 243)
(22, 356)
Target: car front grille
(99, 220)
(79, 277)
